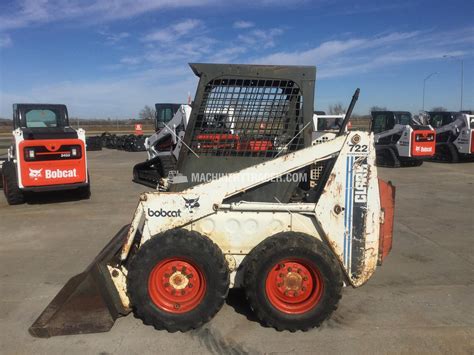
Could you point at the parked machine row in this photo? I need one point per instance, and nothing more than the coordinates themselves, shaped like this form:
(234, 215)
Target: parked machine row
(293, 212)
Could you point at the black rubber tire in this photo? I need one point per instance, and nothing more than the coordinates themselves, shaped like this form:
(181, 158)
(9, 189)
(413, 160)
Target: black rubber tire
(192, 246)
(84, 193)
(292, 245)
(12, 192)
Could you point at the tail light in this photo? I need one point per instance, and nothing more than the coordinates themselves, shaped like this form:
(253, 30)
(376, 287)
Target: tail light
(29, 154)
(424, 137)
(43, 153)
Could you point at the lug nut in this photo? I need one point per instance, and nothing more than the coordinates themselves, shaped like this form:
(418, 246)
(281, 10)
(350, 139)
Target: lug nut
(190, 285)
(190, 276)
(183, 292)
(289, 269)
(176, 306)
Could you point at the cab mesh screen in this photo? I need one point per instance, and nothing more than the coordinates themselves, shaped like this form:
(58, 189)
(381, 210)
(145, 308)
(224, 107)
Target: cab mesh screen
(245, 117)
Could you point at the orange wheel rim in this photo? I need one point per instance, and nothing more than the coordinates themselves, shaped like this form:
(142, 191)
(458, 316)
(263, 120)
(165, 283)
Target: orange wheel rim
(294, 286)
(176, 285)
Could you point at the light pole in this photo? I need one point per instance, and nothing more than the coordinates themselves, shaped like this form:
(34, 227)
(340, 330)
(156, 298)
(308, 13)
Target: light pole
(424, 86)
(462, 74)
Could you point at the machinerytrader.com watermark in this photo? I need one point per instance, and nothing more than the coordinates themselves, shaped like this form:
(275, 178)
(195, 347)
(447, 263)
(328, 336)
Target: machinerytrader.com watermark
(174, 177)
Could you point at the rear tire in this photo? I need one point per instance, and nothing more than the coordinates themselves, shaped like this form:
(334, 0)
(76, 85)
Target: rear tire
(292, 281)
(12, 192)
(178, 280)
(84, 193)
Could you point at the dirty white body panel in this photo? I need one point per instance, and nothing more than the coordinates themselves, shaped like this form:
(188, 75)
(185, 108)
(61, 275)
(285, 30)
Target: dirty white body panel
(346, 217)
(404, 143)
(464, 126)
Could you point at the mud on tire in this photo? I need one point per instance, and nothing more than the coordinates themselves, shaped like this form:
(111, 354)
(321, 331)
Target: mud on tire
(12, 192)
(292, 281)
(178, 280)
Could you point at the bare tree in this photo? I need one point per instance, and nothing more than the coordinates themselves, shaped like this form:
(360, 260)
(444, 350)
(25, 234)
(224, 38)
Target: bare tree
(337, 109)
(439, 109)
(378, 108)
(147, 113)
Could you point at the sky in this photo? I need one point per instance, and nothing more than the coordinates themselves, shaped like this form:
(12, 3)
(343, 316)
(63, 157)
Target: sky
(108, 59)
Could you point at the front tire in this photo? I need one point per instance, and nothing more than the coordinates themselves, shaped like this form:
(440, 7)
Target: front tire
(178, 280)
(292, 281)
(12, 192)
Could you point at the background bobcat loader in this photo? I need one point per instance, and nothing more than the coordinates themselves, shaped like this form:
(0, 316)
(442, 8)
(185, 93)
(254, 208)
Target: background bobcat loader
(163, 147)
(46, 154)
(454, 136)
(173, 265)
(399, 140)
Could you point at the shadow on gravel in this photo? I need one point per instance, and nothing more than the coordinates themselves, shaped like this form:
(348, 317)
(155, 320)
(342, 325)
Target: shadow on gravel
(40, 198)
(237, 300)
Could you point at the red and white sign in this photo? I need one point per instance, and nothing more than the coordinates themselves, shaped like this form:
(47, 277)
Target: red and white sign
(138, 129)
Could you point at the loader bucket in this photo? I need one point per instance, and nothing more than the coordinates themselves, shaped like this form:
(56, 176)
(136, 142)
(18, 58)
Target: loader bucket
(88, 303)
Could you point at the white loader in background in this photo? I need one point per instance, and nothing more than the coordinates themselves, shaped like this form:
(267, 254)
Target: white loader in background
(454, 136)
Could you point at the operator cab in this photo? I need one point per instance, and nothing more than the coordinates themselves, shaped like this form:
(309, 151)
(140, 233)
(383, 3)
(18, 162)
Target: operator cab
(323, 122)
(386, 120)
(42, 121)
(440, 119)
(164, 114)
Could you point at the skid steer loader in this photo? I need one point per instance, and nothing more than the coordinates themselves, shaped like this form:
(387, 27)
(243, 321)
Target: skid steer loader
(400, 140)
(174, 264)
(454, 136)
(163, 147)
(46, 153)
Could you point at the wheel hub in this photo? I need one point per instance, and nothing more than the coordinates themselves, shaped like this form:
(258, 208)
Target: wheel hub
(179, 280)
(293, 281)
(176, 285)
(294, 286)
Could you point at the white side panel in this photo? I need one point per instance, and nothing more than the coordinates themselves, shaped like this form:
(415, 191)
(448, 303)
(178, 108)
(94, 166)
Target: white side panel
(349, 210)
(404, 143)
(463, 140)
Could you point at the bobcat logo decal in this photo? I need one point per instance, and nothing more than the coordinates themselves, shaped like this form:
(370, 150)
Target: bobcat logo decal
(35, 173)
(191, 203)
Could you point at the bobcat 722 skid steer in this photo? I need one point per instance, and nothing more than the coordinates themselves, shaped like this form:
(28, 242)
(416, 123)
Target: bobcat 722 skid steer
(291, 252)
